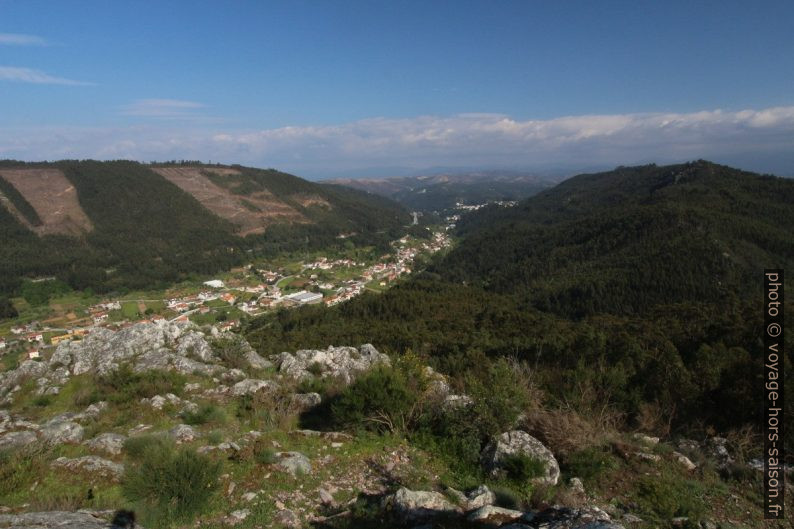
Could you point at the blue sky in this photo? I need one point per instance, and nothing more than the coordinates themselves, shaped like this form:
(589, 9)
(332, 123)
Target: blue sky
(353, 88)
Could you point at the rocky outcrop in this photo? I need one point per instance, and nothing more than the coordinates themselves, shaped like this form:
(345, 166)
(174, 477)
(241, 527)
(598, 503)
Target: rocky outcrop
(59, 431)
(110, 443)
(569, 518)
(182, 433)
(342, 363)
(178, 346)
(159, 401)
(419, 504)
(519, 442)
(17, 439)
(250, 386)
(92, 465)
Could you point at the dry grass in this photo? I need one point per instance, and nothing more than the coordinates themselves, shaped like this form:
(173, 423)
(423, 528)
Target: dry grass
(565, 431)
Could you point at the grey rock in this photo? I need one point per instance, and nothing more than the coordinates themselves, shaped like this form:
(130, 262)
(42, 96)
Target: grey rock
(93, 465)
(59, 431)
(250, 386)
(326, 498)
(305, 401)
(520, 442)
(480, 497)
(646, 439)
(111, 443)
(294, 463)
(568, 518)
(182, 433)
(55, 520)
(577, 486)
(416, 505)
(287, 518)
(238, 516)
(685, 461)
(491, 515)
(17, 439)
(456, 402)
(343, 363)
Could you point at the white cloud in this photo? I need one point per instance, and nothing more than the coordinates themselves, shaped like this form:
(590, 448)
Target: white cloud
(29, 75)
(482, 140)
(18, 39)
(162, 108)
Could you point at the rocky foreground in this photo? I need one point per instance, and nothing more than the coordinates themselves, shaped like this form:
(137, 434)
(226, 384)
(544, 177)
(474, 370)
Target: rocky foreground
(279, 476)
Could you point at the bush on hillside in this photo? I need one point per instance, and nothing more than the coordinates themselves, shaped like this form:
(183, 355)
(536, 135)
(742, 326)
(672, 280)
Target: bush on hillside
(170, 485)
(385, 399)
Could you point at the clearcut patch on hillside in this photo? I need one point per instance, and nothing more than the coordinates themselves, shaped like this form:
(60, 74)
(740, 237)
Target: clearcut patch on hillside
(252, 214)
(53, 197)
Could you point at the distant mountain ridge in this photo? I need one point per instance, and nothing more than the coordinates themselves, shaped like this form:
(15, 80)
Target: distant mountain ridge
(122, 223)
(437, 192)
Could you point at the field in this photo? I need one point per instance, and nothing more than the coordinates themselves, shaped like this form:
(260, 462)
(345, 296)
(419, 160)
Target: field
(252, 214)
(53, 197)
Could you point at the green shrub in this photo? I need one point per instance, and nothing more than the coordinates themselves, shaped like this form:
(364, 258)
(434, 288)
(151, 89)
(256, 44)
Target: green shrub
(668, 496)
(137, 447)
(206, 414)
(124, 385)
(520, 468)
(499, 395)
(315, 368)
(383, 399)
(230, 349)
(171, 486)
(263, 454)
(42, 401)
(590, 464)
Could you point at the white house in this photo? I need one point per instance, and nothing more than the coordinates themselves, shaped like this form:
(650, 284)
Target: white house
(215, 283)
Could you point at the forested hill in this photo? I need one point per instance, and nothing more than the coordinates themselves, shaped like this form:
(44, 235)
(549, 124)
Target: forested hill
(110, 225)
(624, 241)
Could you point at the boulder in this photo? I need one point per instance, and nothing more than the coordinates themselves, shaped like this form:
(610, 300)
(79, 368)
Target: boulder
(111, 443)
(17, 439)
(415, 505)
(520, 442)
(294, 463)
(59, 431)
(305, 401)
(480, 497)
(491, 515)
(249, 386)
(182, 433)
(685, 461)
(93, 465)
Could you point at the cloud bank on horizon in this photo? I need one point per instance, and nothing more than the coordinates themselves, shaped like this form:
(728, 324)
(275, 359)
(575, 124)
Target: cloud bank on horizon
(760, 140)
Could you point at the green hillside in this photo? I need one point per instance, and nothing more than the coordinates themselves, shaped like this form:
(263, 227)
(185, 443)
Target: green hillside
(629, 239)
(146, 231)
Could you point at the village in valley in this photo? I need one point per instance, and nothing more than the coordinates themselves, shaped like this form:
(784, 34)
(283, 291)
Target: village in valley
(222, 301)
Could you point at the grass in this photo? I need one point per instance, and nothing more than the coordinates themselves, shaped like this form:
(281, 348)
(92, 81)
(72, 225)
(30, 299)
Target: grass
(129, 310)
